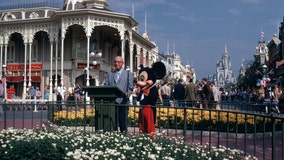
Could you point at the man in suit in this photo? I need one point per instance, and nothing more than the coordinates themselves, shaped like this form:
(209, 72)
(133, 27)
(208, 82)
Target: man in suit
(122, 79)
(190, 93)
(205, 92)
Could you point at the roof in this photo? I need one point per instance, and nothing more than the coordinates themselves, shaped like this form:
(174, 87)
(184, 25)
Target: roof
(17, 4)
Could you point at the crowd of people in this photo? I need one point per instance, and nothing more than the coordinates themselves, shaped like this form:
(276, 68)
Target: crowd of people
(203, 94)
(206, 95)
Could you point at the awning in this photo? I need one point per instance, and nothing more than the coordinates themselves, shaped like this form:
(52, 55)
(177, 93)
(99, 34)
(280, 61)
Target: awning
(35, 78)
(15, 79)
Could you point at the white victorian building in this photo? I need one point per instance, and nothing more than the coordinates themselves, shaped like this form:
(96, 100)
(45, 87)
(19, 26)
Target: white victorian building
(175, 69)
(48, 43)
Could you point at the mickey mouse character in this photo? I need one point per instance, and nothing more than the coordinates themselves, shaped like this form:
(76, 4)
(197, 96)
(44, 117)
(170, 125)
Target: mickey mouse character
(148, 95)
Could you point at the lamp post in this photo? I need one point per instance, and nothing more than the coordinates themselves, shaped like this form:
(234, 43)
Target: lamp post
(96, 54)
(264, 69)
(265, 78)
(87, 72)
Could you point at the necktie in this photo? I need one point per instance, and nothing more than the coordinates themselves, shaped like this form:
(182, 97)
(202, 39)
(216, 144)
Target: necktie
(116, 76)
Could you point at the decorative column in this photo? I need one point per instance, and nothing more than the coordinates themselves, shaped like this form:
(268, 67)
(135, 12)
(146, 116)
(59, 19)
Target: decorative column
(5, 63)
(131, 57)
(88, 34)
(88, 61)
(25, 70)
(62, 59)
(56, 63)
(30, 61)
(50, 72)
(121, 33)
(122, 49)
(144, 57)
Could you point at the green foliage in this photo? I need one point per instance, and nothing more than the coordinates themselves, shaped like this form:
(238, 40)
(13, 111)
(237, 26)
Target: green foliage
(249, 80)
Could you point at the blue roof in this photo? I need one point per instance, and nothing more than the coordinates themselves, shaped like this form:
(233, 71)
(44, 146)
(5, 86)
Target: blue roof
(14, 4)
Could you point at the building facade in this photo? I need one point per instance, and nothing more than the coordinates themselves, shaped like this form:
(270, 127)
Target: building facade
(65, 43)
(175, 69)
(261, 53)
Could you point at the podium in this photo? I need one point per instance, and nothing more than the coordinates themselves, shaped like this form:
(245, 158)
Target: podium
(104, 98)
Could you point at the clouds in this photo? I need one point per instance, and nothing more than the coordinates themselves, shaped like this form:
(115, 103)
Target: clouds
(235, 11)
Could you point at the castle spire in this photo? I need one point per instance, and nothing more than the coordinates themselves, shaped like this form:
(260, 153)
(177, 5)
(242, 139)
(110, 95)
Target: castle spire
(168, 48)
(225, 50)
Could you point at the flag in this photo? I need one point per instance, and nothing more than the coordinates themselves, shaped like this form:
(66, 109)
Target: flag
(262, 34)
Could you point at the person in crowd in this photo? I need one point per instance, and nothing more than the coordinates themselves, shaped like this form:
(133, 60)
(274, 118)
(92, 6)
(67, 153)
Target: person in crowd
(46, 92)
(199, 96)
(190, 93)
(70, 96)
(216, 96)
(269, 100)
(223, 94)
(205, 92)
(59, 101)
(71, 90)
(253, 95)
(159, 93)
(82, 95)
(135, 93)
(277, 92)
(9, 93)
(61, 91)
(179, 93)
(261, 94)
(123, 79)
(166, 93)
(77, 91)
(38, 93)
(13, 91)
(32, 92)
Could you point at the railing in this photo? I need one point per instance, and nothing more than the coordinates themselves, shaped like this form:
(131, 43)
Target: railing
(237, 125)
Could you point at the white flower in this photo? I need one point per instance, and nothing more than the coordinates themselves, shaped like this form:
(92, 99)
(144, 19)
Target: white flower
(54, 145)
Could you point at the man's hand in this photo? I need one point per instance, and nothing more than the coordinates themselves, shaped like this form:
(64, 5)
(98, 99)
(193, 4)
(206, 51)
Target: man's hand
(127, 95)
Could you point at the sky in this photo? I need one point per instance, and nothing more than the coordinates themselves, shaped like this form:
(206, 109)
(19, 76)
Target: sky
(199, 30)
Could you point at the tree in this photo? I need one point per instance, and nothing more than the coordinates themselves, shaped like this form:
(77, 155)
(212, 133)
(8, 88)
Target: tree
(252, 74)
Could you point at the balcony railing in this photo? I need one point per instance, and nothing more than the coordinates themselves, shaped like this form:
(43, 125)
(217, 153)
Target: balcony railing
(239, 125)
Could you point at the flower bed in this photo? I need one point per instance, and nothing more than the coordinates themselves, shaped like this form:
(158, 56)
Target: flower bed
(174, 118)
(65, 143)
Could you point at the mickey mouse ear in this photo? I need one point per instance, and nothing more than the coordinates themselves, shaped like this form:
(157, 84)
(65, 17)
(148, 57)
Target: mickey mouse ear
(159, 70)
